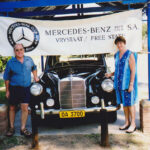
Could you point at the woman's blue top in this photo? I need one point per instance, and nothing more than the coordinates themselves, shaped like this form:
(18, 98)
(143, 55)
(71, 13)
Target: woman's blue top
(122, 72)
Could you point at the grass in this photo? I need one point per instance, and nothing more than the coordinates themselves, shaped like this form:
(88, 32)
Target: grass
(2, 92)
(6, 143)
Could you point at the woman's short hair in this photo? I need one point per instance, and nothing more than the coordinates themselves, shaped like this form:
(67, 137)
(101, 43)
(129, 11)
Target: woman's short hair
(120, 39)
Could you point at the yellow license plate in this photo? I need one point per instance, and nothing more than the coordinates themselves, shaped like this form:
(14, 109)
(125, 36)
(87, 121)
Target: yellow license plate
(72, 114)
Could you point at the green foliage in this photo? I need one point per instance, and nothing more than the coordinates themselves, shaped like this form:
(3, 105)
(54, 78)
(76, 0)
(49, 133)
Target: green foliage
(3, 62)
(144, 30)
(3, 99)
(2, 83)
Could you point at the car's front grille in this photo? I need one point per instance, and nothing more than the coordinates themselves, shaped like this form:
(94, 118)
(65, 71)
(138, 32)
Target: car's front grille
(72, 93)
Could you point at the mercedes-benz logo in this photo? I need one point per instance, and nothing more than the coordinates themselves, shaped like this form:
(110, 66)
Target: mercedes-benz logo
(25, 33)
(23, 37)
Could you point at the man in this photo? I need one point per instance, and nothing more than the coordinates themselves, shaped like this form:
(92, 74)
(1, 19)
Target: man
(17, 78)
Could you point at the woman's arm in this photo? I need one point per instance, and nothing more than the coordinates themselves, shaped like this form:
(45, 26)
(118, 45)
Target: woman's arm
(132, 68)
(107, 75)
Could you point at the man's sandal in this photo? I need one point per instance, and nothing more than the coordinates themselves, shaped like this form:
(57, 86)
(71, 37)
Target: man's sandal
(26, 133)
(10, 132)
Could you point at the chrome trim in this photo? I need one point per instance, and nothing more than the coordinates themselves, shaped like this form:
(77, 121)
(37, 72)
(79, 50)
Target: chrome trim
(87, 110)
(70, 79)
(102, 104)
(42, 112)
(59, 91)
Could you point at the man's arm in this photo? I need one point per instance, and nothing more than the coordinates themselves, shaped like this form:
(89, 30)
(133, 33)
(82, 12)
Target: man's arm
(7, 88)
(132, 68)
(6, 77)
(34, 71)
(36, 79)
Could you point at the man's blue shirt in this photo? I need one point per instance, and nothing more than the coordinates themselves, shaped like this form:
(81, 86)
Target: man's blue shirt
(19, 74)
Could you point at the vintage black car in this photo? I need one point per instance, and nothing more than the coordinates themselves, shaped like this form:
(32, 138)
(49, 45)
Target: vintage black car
(74, 86)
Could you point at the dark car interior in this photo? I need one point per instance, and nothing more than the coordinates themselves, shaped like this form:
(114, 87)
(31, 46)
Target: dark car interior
(53, 62)
(77, 64)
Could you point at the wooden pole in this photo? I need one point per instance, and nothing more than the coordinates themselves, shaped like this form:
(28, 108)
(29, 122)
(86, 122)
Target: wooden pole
(104, 128)
(35, 137)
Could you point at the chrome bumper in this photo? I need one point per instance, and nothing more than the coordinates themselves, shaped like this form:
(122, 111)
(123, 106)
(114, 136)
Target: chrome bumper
(43, 112)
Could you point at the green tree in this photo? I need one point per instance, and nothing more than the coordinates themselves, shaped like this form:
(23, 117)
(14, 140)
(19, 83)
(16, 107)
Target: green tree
(3, 62)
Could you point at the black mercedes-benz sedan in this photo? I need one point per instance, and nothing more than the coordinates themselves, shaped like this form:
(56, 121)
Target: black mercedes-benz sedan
(73, 86)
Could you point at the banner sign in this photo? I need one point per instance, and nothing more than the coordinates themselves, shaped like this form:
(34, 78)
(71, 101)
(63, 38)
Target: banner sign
(71, 37)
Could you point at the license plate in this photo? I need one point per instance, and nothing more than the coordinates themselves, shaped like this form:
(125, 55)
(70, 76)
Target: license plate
(72, 114)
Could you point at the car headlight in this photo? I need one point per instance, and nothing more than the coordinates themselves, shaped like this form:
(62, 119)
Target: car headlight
(95, 100)
(36, 89)
(107, 85)
(50, 102)
(109, 103)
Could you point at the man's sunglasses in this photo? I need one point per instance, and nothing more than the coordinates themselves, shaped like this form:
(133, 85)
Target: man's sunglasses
(17, 50)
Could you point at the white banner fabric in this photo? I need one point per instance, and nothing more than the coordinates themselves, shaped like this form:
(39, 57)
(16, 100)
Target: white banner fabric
(71, 37)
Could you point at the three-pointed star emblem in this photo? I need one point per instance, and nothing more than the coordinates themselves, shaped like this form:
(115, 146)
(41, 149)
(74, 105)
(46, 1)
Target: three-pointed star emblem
(23, 37)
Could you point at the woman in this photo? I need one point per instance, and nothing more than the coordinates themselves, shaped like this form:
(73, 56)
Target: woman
(125, 82)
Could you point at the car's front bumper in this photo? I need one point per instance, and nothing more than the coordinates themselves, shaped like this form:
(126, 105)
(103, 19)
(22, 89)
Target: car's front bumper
(44, 112)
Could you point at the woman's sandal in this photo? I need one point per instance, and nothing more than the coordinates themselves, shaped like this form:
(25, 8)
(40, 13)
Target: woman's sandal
(10, 132)
(26, 133)
(125, 128)
(131, 130)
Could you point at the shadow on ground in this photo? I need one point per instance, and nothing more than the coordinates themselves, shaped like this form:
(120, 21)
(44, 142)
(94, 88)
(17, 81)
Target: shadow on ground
(78, 142)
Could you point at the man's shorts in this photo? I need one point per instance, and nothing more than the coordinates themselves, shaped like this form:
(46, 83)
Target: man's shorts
(19, 95)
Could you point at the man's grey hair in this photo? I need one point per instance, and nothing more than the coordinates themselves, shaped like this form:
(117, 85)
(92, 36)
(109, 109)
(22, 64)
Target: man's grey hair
(18, 44)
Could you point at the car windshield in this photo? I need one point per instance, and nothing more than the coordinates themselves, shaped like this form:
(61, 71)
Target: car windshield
(53, 62)
(77, 57)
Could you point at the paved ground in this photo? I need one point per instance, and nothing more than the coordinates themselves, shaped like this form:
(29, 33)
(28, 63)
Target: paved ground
(94, 127)
(79, 129)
